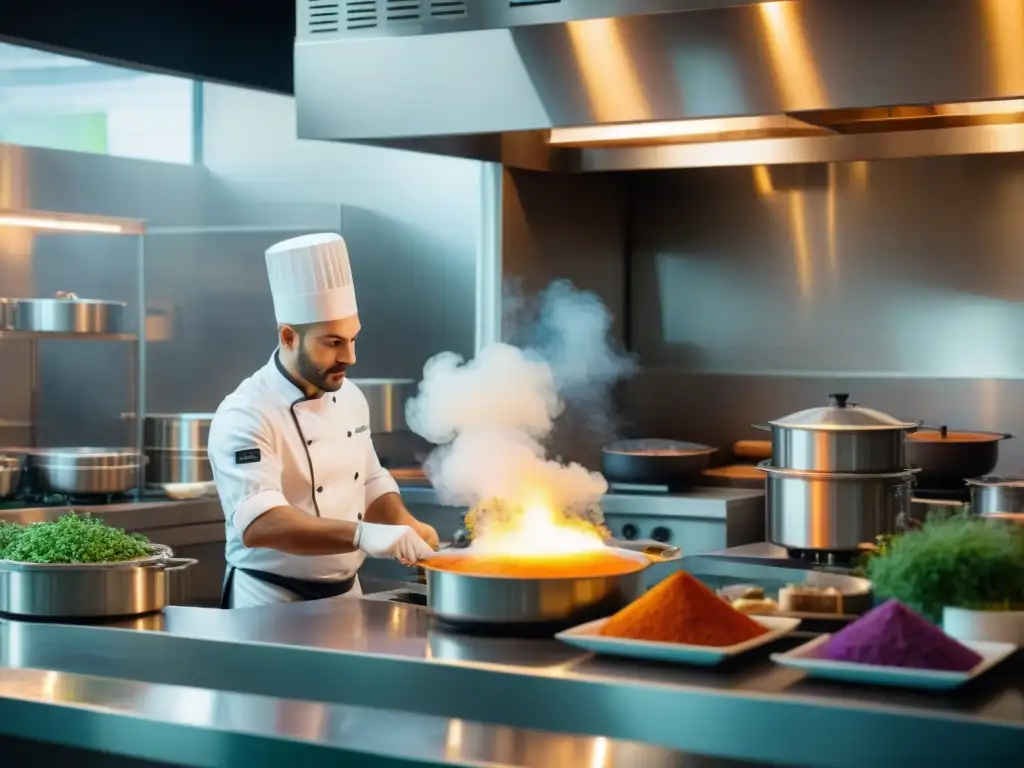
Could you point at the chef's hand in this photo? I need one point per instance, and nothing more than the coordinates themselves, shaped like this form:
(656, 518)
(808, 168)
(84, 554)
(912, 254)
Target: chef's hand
(397, 542)
(427, 533)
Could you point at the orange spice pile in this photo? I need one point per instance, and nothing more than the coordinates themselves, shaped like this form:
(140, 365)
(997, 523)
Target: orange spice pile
(579, 566)
(682, 610)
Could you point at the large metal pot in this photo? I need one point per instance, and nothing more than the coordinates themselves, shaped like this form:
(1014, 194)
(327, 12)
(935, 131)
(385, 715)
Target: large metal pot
(176, 448)
(511, 606)
(835, 512)
(10, 475)
(89, 591)
(66, 314)
(842, 437)
(948, 456)
(996, 495)
(84, 471)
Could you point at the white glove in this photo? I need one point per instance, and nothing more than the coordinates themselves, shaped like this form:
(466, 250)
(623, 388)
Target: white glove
(397, 542)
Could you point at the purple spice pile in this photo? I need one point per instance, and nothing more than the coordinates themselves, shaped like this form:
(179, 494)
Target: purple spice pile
(892, 635)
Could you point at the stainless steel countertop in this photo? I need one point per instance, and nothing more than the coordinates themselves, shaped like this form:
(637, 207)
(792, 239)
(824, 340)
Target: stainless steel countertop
(371, 653)
(201, 727)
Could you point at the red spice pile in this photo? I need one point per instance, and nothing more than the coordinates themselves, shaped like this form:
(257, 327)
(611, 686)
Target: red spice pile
(682, 610)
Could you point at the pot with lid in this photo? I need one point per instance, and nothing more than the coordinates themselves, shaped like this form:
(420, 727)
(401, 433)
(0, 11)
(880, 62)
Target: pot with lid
(841, 437)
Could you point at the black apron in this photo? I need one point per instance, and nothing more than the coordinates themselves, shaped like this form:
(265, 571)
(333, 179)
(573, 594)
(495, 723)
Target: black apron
(304, 590)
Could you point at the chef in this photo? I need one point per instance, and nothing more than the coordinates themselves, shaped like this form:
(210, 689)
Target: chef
(305, 497)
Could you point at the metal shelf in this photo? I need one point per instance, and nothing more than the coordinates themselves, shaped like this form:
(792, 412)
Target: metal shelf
(40, 335)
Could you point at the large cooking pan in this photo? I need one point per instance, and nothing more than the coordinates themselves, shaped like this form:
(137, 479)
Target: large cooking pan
(655, 462)
(84, 471)
(947, 457)
(536, 607)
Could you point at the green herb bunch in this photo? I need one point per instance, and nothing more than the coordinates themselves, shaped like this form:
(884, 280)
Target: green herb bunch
(74, 539)
(8, 532)
(958, 562)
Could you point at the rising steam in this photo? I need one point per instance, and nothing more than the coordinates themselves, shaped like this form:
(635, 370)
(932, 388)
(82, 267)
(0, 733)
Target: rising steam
(491, 416)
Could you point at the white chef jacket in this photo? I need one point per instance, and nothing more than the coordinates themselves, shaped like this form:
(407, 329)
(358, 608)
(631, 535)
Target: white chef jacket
(271, 446)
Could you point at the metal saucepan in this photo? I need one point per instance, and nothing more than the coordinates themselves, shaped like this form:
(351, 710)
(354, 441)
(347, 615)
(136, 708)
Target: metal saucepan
(947, 456)
(835, 512)
(655, 462)
(10, 475)
(84, 471)
(841, 437)
(89, 591)
(992, 495)
(65, 314)
(511, 606)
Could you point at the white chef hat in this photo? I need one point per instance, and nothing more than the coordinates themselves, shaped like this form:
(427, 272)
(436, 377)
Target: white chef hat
(311, 279)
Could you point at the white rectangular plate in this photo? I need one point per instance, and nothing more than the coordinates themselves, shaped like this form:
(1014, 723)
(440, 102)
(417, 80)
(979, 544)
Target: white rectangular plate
(803, 658)
(587, 636)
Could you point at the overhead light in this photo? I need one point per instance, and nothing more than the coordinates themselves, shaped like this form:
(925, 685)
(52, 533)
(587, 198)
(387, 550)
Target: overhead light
(59, 222)
(668, 130)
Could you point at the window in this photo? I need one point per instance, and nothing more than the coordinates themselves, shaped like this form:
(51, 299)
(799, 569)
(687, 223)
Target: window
(60, 102)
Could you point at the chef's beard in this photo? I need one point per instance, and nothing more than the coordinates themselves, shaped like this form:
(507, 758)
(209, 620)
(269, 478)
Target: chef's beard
(317, 376)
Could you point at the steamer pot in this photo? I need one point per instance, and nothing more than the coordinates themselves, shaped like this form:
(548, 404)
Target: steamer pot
(841, 437)
(176, 448)
(540, 607)
(835, 512)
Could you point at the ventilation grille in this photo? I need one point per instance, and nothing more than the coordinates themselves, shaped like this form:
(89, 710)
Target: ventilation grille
(528, 3)
(447, 9)
(402, 10)
(359, 14)
(324, 16)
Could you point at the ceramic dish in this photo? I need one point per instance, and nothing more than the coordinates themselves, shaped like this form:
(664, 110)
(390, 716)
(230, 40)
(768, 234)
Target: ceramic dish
(189, 490)
(804, 658)
(587, 636)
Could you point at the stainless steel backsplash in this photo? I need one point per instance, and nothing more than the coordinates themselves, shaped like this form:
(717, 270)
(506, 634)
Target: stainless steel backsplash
(211, 319)
(756, 292)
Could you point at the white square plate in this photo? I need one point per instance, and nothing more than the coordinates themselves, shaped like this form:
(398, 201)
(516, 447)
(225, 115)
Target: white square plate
(587, 636)
(803, 658)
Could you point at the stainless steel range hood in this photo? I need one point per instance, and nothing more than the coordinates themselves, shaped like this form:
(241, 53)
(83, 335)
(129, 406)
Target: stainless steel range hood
(586, 85)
